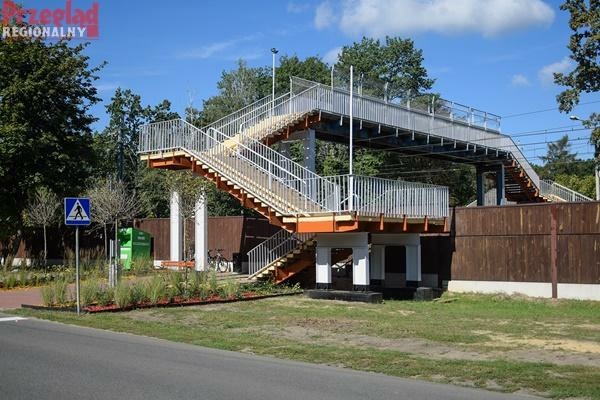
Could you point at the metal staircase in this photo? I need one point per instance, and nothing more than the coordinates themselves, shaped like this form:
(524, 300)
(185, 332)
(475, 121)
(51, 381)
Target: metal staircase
(281, 256)
(234, 154)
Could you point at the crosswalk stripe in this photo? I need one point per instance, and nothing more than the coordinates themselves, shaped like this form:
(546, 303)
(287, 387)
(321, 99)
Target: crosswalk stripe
(8, 319)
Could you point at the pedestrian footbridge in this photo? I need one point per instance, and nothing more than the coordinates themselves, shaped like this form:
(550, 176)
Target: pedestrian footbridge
(235, 153)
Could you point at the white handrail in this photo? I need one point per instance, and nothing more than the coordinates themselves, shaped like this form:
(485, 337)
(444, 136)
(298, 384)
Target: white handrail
(556, 191)
(274, 248)
(378, 111)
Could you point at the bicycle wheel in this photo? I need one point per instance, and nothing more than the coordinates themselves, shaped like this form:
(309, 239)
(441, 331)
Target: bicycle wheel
(221, 265)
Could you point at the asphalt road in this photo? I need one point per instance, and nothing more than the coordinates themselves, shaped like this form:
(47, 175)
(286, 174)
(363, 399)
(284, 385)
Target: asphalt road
(46, 360)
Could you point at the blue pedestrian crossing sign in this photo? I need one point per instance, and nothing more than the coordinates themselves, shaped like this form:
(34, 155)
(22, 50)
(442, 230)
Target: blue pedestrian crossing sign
(77, 211)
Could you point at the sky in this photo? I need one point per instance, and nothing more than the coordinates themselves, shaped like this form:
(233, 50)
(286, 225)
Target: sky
(493, 55)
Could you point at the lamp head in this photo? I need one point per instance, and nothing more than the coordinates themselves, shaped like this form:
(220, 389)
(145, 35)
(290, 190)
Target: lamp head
(274, 50)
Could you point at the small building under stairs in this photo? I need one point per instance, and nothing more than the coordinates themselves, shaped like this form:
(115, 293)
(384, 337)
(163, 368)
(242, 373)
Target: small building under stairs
(320, 213)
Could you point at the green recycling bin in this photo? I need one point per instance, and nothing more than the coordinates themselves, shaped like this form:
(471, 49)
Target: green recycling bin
(134, 244)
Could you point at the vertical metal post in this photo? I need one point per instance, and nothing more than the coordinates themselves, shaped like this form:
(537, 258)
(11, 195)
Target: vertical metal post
(332, 79)
(120, 158)
(597, 179)
(500, 200)
(77, 269)
(273, 51)
(554, 251)
(351, 169)
(480, 190)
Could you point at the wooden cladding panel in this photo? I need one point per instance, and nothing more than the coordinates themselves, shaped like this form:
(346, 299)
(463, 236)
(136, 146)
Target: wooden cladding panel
(512, 243)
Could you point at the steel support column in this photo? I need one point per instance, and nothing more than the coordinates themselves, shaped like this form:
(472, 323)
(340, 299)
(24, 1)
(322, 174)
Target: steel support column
(500, 192)
(480, 173)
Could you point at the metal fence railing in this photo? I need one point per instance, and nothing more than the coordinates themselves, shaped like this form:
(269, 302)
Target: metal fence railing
(311, 96)
(287, 186)
(273, 248)
(555, 191)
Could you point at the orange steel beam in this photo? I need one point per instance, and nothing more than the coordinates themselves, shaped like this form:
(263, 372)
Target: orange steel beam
(300, 126)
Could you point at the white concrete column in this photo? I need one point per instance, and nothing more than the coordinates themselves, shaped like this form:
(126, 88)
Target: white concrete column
(377, 264)
(323, 277)
(360, 268)
(176, 229)
(201, 233)
(413, 265)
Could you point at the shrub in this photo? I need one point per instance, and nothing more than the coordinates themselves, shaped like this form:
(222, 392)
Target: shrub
(61, 291)
(122, 295)
(47, 295)
(105, 295)
(231, 289)
(10, 281)
(213, 284)
(23, 276)
(197, 284)
(141, 266)
(90, 291)
(176, 284)
(156, 290)
(138, 293)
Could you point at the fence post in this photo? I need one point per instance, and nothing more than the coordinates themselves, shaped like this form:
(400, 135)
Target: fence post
(554, 251)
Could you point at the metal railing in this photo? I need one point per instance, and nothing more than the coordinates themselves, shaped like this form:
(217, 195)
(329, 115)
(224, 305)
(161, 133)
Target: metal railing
(312, 96)
(371, 196)
(287, 186)
(428, 103)
(555, 191)
(274, 248)
(238, 114)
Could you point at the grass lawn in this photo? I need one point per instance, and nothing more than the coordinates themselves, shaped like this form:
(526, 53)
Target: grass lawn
(543, 347)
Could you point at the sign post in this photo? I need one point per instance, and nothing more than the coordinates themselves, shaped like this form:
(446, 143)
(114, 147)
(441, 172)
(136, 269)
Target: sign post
(77, 213)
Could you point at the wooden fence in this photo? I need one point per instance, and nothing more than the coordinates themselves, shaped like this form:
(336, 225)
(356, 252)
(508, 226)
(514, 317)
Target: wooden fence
(235, 235)
(554, 242)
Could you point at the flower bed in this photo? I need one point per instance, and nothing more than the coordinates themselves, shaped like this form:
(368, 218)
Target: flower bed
(182, 302)
(172, 290)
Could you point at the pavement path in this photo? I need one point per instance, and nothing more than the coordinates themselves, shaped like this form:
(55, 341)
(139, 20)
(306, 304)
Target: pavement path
(47, 360)
(15, 297)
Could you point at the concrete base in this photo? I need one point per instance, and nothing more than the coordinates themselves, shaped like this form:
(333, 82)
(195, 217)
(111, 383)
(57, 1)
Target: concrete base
(533, 289)
(424, 294)
(365, 297)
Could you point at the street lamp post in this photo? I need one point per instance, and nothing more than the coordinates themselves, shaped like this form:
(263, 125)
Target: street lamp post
(596, 154)
(273, 51)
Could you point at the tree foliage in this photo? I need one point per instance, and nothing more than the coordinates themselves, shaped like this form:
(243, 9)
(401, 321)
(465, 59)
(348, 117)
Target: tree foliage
(46, 91)
(559, 158)
(41, 211)
(237, 88)
(584, 45)
(562, 166)
(396, 62)
(311, 68)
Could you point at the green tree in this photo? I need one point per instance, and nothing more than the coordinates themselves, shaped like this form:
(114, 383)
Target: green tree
(41, 211)
(397, 63)
(237, 88)
(394, 66)
(46, 91)
(120, 137)
(558, 159)
(584, 45)
(311, 68)
(585, 185)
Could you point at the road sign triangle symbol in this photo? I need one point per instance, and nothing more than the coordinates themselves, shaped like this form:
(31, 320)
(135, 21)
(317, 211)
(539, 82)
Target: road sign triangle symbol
(77, 213)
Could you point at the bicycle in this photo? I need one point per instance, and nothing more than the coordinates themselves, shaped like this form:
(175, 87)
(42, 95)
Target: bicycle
(217, 262)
